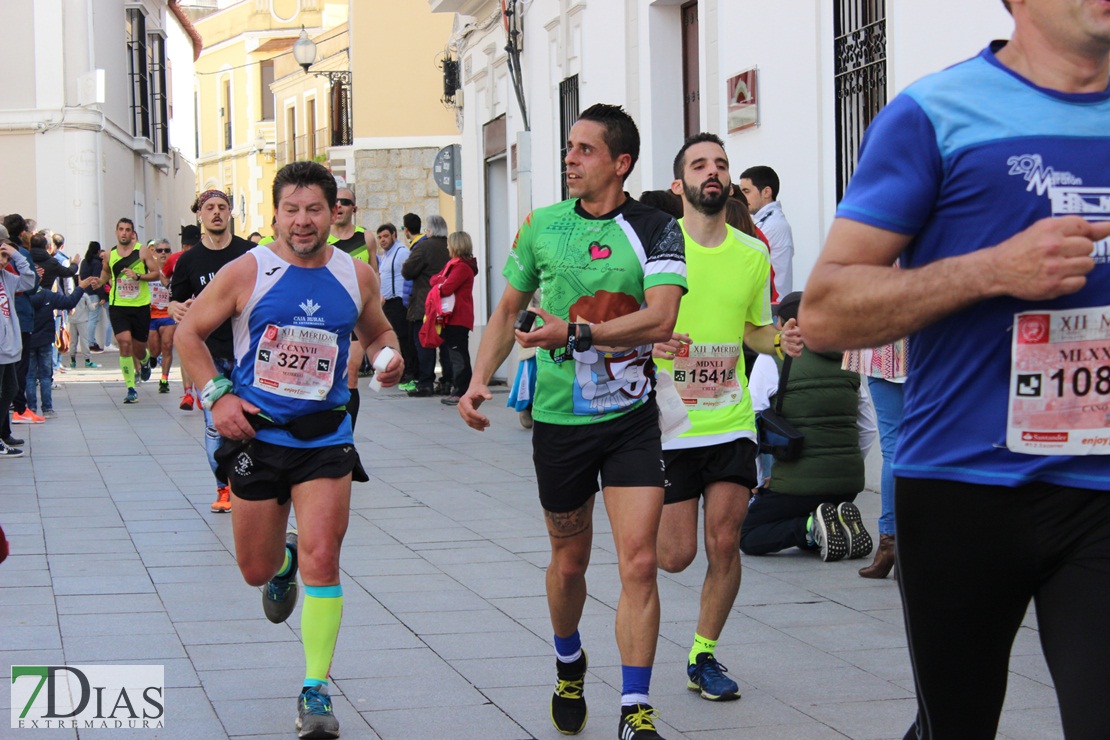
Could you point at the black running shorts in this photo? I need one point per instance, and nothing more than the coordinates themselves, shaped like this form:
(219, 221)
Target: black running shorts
(689, 471)
(258, 471)
(135, 319)
(626, 452)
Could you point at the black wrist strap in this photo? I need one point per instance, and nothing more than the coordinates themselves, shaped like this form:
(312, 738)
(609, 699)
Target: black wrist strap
(568, 350)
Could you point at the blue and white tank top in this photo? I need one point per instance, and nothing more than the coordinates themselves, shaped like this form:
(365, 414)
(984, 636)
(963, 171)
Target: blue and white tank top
(291, 342)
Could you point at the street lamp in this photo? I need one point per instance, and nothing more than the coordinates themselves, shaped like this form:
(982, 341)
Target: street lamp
(304, 52)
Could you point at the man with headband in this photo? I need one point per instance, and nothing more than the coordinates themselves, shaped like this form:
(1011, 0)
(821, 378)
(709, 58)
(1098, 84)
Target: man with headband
(194, 270)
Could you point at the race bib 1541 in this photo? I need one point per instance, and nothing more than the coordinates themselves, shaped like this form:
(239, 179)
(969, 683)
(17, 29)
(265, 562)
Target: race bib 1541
(705, 375)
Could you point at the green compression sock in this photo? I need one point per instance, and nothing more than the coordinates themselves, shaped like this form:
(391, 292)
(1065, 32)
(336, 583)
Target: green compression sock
(701, 645)
(127, 367)
(320, 617)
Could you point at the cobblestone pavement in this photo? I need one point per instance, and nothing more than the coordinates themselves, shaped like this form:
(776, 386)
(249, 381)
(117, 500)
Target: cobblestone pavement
(116, 558)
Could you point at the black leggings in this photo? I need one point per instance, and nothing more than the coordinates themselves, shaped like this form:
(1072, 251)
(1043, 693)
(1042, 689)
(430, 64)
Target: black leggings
(970, 558)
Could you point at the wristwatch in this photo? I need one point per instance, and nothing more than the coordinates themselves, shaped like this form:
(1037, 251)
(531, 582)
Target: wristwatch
(584, 338)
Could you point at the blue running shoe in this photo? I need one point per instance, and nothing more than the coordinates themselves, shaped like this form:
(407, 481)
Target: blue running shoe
(279, 596)
(314, 714)
(132, 396)
(708, 677)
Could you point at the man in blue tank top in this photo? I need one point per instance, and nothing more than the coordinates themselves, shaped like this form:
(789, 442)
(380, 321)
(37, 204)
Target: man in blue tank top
(293, 304)
(991, 181)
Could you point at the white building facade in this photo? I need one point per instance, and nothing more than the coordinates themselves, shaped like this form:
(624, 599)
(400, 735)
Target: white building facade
(91, 129)
(669, 64)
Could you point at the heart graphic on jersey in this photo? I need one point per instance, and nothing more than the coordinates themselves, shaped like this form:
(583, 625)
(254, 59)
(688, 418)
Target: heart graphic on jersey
(598, 252)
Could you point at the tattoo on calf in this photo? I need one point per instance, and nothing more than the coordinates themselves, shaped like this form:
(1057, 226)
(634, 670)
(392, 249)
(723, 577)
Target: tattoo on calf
(564, 524)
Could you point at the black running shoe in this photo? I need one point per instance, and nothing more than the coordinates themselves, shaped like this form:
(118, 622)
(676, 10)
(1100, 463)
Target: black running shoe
(828, 534)
(568, 705)
(638, 723)
(859, 541)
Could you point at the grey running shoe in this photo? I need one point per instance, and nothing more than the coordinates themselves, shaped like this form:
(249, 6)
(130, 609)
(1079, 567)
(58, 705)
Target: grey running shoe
(132, 396)
(828, 534)
(315, 718)
(568, 705)
(279, 596)
(859, 541)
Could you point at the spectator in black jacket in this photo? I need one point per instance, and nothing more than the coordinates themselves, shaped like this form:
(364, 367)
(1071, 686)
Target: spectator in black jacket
(428, 257)
(52, 269)
(92, 266)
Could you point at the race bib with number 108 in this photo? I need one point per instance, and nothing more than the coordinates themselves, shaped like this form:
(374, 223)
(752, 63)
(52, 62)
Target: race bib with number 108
(1060, 383)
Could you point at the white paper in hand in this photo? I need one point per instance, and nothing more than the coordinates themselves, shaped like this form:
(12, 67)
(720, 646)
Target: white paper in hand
(673, 419)
(380, 363)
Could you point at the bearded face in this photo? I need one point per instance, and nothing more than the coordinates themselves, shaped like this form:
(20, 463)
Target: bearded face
(709, 197)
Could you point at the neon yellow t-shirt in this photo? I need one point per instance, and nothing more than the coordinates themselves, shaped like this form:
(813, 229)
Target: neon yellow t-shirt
(729, 286)
(127, 291)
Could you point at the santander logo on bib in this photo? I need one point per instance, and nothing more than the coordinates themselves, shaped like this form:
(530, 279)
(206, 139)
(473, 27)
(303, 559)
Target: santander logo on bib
(1033, 329)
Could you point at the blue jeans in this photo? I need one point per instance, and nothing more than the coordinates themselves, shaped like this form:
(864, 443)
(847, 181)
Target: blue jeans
(887, 397)
(212, 438)
(40, 372)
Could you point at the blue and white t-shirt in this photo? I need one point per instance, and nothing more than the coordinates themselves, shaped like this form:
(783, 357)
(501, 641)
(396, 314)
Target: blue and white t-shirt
(291, 343)
(962, 160)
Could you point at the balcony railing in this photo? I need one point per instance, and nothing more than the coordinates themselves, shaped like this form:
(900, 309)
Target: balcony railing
(306, 146)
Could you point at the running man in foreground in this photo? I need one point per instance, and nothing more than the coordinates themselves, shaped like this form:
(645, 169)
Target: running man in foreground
(293, 304)
(613, 273)
(991, 181)
(729, 304)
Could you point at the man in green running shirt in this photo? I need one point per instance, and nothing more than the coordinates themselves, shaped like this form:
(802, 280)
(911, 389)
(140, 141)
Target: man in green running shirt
(612, 274)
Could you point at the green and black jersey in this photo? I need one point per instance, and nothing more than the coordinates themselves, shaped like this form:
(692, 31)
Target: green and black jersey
(592, 270)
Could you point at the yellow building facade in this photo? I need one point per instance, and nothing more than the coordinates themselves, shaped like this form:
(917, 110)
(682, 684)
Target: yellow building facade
(370, 109)
(399, 122)
(237, 139)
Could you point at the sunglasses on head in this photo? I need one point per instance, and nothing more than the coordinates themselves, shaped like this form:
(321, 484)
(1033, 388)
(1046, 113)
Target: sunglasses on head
(345, 202)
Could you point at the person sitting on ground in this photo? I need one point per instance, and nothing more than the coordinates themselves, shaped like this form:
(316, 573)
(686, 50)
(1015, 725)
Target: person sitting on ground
(808, 501)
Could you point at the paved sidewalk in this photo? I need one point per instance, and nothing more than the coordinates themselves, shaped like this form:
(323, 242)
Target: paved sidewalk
(116, 558)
